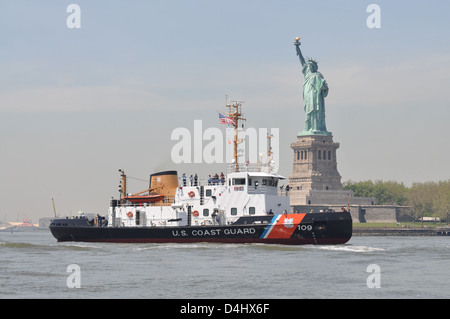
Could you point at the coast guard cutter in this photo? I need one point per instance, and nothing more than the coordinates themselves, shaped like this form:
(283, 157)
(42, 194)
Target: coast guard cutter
(243, 207)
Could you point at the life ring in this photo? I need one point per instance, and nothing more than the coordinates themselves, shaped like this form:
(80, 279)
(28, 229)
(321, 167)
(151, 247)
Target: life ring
(195, 213)
(130, 214)
(191, 194)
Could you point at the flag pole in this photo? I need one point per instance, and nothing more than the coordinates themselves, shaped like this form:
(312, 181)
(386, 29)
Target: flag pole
(54, 210)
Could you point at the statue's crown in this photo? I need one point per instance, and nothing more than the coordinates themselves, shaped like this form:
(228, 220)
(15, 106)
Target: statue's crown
(310, 60)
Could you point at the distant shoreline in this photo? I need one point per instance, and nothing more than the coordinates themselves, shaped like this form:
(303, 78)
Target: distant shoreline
(390, 231)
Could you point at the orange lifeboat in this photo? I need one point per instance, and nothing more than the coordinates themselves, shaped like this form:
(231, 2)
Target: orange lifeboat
(142, 199)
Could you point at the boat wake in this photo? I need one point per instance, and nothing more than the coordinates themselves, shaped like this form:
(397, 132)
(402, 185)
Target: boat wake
(350, 248)
(18, 245)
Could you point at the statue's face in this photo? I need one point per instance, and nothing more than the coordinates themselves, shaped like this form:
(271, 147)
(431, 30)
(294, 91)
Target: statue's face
(312, 66)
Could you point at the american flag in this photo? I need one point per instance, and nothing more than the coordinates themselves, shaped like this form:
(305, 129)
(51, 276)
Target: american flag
(225, 119)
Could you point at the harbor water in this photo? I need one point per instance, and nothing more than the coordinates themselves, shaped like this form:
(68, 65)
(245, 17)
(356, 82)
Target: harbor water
(34, 265)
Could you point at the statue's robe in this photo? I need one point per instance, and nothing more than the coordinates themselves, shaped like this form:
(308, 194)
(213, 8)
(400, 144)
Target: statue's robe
(315, 89)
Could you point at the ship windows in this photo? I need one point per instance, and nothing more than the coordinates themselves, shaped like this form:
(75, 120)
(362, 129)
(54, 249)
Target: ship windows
(206, 212)
(234, 211)
(238, 181)
(208, 193)
(270, 182)
(252, 210)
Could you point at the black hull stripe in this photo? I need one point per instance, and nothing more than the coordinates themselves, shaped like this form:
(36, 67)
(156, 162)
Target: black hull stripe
(288, 241)
(321, 229)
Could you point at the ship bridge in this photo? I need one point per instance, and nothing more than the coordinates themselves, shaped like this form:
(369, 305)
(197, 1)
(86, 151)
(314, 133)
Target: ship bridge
(255, 182)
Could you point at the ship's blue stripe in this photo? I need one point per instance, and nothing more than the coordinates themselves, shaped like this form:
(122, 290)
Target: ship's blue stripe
(270, 226)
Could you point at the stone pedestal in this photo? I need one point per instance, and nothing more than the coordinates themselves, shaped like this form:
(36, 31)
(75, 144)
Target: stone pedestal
(315, 168)
(315, 179)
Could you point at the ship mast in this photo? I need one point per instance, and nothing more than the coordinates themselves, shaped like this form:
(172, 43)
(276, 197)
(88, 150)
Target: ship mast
(123, 186)
(235, 114)
(269, 152)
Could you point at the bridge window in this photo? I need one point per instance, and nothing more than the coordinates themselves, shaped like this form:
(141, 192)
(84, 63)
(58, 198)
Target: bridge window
(238, 181)
(206, 212)
(234, 211)
(252, 210)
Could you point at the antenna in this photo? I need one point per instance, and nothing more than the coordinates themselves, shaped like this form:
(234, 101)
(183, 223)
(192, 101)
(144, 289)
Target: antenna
(269, 152)
(54, 210)
(123, 186)
(235, 114)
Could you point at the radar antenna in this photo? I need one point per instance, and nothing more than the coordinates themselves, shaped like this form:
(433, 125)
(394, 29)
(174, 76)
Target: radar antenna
(235, 114)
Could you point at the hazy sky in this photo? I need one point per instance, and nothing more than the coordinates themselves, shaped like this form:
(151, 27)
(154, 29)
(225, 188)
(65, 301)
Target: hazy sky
(78, 104)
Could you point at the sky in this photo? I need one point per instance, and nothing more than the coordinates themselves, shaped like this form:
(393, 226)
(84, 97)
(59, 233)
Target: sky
(77, 104)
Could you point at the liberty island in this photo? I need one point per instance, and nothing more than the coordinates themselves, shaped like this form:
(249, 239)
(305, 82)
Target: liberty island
(315, 183)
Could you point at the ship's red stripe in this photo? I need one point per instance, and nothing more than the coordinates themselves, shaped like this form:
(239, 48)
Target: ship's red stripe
(285, 226)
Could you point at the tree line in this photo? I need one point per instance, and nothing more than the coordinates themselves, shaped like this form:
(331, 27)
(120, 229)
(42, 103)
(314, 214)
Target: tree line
(430, 199)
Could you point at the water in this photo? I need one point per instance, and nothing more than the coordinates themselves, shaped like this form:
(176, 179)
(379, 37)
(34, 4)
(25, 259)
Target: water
(34, 265)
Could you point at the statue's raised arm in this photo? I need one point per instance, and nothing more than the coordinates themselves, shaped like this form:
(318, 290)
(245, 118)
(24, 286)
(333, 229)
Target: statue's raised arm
(315, 90)
(299, 52)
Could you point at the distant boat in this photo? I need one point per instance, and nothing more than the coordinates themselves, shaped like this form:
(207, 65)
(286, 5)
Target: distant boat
(26, 225)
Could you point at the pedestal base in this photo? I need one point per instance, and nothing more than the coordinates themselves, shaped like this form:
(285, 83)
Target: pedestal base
(307, 133)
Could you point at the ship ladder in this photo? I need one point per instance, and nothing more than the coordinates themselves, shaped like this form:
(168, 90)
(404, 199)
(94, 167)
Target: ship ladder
(202, 194)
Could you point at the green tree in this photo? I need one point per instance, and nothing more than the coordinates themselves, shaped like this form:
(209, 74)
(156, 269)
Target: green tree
(385, 193)
(429, 199)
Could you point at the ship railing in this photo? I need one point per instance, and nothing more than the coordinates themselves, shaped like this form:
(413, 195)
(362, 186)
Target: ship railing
(247, 167)
(262, 189)
(231, 168)
(201, 182)
(283, 192)
(167, 201)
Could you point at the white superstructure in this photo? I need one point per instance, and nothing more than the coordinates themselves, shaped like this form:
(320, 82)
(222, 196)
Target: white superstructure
(208, 203)
(247, 190)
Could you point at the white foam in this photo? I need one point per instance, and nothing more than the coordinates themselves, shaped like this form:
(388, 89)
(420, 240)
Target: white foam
(351, 248)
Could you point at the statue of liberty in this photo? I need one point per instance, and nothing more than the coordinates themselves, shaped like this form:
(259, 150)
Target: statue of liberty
(315, 89)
